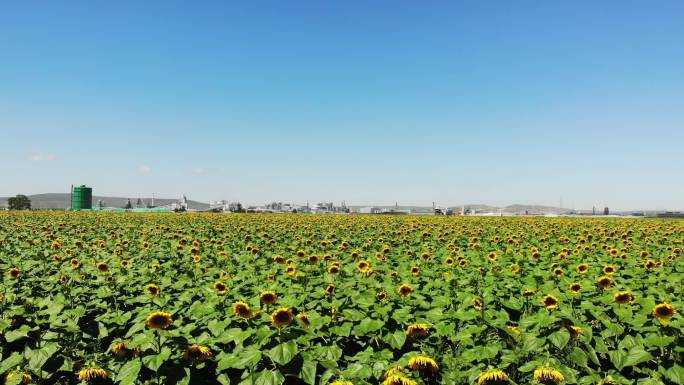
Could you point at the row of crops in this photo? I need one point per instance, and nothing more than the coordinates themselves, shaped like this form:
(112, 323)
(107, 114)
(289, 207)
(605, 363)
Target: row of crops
(300, 299)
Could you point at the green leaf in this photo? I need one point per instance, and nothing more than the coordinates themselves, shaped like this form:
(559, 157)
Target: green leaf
(18, 334)
(37, 358)
(531, 343)
(578, 356)
(396, 339)
(141, 340)
(283, 353)
(186, 379)
(269, 377)
(128, 373)
(655, 340)
(154, 362)
(308, 373)
(368, 325)
(247, 358)
(637, 355)
(4, 324)
(10, 362)
(617, 357)
(102, 330)
(560, 338)
(675, 374)
(358, 370)
(330, 353)
(237, 335)
(342, 330)
(217, 327)
(354, 315)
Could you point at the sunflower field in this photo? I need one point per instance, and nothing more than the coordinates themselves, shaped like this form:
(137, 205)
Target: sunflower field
(252, 299)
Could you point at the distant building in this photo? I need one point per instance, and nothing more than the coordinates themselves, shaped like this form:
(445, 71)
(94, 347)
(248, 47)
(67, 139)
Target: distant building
(606, 211)
(370, 210)
(670, 214)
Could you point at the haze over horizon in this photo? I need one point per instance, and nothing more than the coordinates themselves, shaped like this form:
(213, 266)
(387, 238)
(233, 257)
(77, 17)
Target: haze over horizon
(372, 103)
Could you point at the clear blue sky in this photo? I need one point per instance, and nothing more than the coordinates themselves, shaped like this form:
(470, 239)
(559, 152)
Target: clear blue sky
(368, 101)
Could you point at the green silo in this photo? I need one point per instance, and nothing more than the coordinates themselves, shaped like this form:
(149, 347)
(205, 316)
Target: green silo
(82, 198)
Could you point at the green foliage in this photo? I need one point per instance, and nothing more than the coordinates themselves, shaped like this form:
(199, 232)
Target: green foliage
(75, 295)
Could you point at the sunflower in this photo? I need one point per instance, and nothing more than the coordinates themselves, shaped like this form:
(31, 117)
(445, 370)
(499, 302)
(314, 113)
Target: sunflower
(281, 317)
(664, 311)
(242, 310)
(313, 259)
(415, 271)
(575, 288)
(268, 298)
(492, 257)
(121, 350)
(417, 330)
(20, 376)
(152, 289)
(476, 303)
(102, 267)
(609, 270)
(304, 319)
(195, 354)
(605, 282)
(363, 266)
(548, 376)
(550, 302)
(558, 272)
(196, 258)
(92, 374)
(330, 289)
(582, 268)
(405, 290)
(381, 295)
(333, 269)
(423, 363)
(515, 268)
(492, 377)
(394, 370)
(14, 273)
(528, 293)
(574, 331)
(398, 379)
(623, 297)
(279, 259)
(159, 320)
(291, 270)
(220, 287)
(449, 261)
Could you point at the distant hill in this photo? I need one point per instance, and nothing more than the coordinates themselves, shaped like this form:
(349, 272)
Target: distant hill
(62, 201)
(534, 209)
